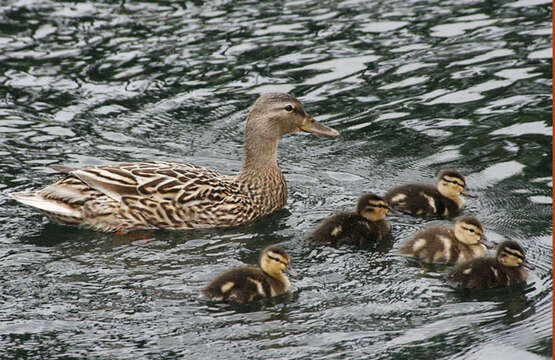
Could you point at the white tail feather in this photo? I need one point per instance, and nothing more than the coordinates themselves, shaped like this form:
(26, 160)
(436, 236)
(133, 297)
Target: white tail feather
(48, 205)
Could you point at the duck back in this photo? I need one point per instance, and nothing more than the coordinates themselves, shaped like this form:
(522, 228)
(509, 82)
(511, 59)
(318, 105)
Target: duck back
(349, 228)
(485, 273)
(438, 244)
(243, 285)
(419, 199)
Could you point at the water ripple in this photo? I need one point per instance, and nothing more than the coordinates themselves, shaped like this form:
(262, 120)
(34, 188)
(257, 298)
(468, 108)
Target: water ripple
(412, 87)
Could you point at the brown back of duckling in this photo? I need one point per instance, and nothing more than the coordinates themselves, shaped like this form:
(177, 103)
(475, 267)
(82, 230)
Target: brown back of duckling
(349, 228)
(420, 199)
(485, 273)
(438, 244)
(242, 285)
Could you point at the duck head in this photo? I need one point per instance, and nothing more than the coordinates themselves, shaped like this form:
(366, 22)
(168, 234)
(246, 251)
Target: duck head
(511, 254)
(470, 231)
(274, 261)
(276, 114)
(372, 207)
(272, 116)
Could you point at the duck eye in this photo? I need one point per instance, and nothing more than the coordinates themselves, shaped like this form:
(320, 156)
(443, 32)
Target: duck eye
(289, 108)
(275, 259)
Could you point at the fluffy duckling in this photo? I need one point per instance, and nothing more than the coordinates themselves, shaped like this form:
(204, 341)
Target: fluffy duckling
(244, 284)
(421, 199)
(360, 227)
(506, 268)
(440, 244)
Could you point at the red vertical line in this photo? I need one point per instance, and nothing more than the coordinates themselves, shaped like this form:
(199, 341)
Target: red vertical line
(552, 151)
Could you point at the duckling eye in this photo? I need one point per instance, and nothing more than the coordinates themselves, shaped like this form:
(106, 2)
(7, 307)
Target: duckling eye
(471, 230)
(453, 182)
(289, 108)
(276, 259)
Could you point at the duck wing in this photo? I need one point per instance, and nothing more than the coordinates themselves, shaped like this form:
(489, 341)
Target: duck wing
(145, 195)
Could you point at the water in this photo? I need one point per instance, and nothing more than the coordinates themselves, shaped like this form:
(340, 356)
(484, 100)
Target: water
(413, 87)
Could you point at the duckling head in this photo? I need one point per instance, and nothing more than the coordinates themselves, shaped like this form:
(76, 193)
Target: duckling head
(450, 183)
(469, 231)
(372, 207)
(511, 254)
(274, 261)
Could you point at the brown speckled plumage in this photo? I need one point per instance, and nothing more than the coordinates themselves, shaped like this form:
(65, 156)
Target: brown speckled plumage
(170, 195)
(490, 272)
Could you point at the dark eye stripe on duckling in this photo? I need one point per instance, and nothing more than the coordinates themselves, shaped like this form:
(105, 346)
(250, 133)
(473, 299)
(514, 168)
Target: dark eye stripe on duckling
(379, 205)
(514, 253)
(275, 258)
(446, 179)
(472, 230)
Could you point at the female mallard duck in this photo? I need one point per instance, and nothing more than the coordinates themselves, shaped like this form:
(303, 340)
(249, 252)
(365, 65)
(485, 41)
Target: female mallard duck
(250, 283)
(182, 196)
(360, 227)
(440, 244)
(505, 269)
(421, 199)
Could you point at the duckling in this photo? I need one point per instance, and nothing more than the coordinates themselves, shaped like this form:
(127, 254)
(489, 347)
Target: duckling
(360, 227)
(421, 199)
(168, 195)
(244, 284)
(440, 244)
(506, 268)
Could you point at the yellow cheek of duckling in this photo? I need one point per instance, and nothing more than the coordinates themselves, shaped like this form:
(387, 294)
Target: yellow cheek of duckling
(474, 238)
(452, 188)
(510, 261)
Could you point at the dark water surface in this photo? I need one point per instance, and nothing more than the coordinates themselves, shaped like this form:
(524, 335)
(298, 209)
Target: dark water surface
(413, 87)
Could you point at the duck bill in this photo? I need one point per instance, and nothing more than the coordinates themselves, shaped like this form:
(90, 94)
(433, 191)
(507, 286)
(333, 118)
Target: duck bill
(313, 126)
(464, 193)
(484, 240)
(527, 265)
(291, 272)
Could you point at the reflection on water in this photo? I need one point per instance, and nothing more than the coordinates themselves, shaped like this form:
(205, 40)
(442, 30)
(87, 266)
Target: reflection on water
(412, 87)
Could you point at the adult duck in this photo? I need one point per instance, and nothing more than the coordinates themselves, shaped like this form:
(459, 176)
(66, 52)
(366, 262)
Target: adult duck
(167, 195)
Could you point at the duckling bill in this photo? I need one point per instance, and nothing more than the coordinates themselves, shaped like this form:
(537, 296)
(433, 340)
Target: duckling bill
(249, 283)
(362, 227)
(420, 199)
(440, 244)
(507, 268)
(167, 195)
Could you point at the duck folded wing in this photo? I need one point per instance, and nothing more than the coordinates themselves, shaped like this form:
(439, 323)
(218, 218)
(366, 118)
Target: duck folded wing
(154, 195)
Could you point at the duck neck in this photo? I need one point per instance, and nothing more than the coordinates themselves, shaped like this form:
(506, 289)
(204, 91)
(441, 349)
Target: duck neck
(453, 196)
(259, 156)
(280, 283)
(261, 177)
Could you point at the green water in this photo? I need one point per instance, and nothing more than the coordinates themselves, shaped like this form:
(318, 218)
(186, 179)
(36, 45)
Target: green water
(413, 87)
